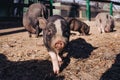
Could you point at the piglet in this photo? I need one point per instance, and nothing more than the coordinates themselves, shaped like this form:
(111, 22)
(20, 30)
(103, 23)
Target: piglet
(104, 22)
(77, 25)
(30, 18)
(56, 34)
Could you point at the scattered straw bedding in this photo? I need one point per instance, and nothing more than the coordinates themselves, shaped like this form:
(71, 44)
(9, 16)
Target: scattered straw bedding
(92, 57)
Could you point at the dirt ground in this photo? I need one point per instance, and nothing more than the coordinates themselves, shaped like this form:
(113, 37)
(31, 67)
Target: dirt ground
(92, 57)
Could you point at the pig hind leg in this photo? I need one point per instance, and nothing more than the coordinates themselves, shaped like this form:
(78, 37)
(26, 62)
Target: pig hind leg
(82, 30)
(37, 31)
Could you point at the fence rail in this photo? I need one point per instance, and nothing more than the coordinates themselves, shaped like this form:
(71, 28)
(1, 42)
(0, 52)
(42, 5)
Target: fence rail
(64, 6)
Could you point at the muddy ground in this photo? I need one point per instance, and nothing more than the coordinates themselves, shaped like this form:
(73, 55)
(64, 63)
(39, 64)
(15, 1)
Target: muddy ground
(92, 57)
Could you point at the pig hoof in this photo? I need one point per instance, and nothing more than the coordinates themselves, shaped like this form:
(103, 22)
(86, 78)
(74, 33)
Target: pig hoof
(60, 61)
(56, 70)
(30, 36)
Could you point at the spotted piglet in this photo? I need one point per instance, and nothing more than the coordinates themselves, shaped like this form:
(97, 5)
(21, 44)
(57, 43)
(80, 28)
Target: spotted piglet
(104, 22)
(55, 36)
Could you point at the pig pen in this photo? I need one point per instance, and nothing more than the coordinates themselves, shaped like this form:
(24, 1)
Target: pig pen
(92, 57)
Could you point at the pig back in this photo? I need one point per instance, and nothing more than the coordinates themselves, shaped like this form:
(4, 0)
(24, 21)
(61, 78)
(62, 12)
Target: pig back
(30, 17)
(106, 21)
(28, 23)
(65, 28)
(37, 10)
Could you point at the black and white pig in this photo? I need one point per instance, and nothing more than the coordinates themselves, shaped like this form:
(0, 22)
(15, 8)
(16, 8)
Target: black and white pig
(30, 18)
(104, 22)
(77, 25)
(55, 36)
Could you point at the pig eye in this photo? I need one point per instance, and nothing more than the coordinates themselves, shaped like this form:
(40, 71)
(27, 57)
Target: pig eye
(49, 32)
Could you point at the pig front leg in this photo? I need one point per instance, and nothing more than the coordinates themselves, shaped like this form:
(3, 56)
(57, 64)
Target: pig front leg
(30, 35)
(59, 60)
(103, 29)
(100, 29)
(55, 64)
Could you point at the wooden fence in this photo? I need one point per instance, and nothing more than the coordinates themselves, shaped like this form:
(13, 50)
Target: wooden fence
(73, 9)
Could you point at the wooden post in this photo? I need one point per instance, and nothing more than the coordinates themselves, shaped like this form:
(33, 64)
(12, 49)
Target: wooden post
(111, 10)
(80, 14)
(88, 9)
(51, 7)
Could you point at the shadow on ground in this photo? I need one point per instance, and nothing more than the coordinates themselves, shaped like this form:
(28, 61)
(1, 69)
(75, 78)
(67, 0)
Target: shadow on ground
(26, 70)
(78, 49)
(114, 72)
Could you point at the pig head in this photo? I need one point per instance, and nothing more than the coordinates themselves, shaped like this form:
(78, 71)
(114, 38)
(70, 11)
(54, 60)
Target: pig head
(104, 22)
(55, 36)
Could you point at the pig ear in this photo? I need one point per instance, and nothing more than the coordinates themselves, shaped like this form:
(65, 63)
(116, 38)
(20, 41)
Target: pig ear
(42, 22)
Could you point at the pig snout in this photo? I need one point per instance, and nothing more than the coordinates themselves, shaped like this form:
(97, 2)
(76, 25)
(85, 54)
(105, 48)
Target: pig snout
(58, 42)
(59, 45)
